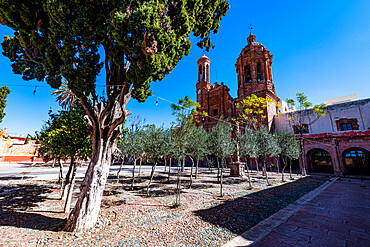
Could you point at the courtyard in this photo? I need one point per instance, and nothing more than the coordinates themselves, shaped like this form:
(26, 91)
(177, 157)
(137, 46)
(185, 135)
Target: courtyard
(32, 212)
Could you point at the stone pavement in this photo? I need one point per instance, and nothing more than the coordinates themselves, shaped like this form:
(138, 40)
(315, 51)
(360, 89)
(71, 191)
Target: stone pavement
(339, 215)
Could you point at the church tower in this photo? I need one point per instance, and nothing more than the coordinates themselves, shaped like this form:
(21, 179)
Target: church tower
(203, 84)
(253, 68)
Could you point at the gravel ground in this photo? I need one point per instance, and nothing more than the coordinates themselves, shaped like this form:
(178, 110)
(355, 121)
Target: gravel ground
(31, 213)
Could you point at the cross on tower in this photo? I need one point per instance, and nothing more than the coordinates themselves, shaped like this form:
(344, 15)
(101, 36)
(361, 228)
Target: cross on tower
(250, 28)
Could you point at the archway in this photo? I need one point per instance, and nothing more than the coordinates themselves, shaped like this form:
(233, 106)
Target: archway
(321, 161)
(357, 161)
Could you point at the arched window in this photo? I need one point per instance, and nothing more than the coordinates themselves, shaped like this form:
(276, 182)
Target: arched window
(321, 161)
(207, 72)
(357, 161)
(248, 74)
(259, 72)
(200, 72)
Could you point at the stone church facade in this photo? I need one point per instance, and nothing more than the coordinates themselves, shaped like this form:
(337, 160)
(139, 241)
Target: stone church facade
(338, 143)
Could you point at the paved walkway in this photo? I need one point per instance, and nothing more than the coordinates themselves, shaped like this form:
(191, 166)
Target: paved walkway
(338, 216)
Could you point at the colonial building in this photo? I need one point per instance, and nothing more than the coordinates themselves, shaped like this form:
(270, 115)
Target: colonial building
(338, 142)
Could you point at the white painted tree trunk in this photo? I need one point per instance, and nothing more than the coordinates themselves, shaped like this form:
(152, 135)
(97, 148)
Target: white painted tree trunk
(86, 211)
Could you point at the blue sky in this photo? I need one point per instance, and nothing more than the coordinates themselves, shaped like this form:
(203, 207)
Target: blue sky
(321, 48)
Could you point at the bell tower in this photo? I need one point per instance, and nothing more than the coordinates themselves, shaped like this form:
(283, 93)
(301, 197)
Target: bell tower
(203, 83)
(253, 68)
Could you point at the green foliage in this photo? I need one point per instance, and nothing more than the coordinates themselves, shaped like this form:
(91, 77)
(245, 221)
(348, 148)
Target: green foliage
(153, 140)
(185, 126)
(220, 142)
(289, 147)
(27, 140)
(132, 143)
(248, 143)
(267, 144)
(61, 39)
(65, 135)
(198, 146)
(176, 204)
(4, 91)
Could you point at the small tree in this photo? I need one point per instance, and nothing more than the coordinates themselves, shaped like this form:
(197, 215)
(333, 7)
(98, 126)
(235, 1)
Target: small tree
(154, 140)
(288, 148)
(197, 148)
(132, 145)
(248, 148)
(301, 121)
(267, 147)
(65, 135)
(222, 146)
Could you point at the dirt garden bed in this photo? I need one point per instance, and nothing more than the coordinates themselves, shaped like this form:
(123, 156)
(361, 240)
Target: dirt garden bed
(31, 213)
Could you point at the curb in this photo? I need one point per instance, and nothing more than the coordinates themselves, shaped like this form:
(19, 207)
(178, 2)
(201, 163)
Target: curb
(266, 226)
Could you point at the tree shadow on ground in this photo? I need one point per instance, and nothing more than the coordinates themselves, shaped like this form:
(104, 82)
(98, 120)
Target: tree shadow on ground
(16, 206)
(242, 213)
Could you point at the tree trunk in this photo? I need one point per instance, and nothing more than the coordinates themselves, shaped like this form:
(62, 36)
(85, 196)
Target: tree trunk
(218, 171)
(60, 176)
(249, 176)
(301, 155)
(151, 178)
(67, 205)
(53, 164)
(257, 163)
(191, 172)
(183, 165)
(196, 168)
(165, 164)
(133, 174)
(169, 170)
(178, 186)
(283, 170)
(66, 184)
(290, 169)
(86, 211)
(141, 160)
(221, 178)
(264, 169)
(119, 170)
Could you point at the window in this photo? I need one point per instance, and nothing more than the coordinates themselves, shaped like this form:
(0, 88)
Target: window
(248, 76)
(321, 158)
(296, 129)
(215, 112)
(347, 126)
(259, 72)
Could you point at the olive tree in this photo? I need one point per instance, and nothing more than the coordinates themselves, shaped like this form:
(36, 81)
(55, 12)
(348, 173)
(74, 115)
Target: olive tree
(135, 42)
(222, 146)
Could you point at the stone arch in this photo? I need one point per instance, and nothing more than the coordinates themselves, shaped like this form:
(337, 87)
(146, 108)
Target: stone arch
(356, 161)
(259, 69)
(320, 160)
(200, 69)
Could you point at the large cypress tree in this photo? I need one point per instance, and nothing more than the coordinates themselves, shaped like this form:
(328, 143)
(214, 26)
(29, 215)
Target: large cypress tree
(136, 42)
